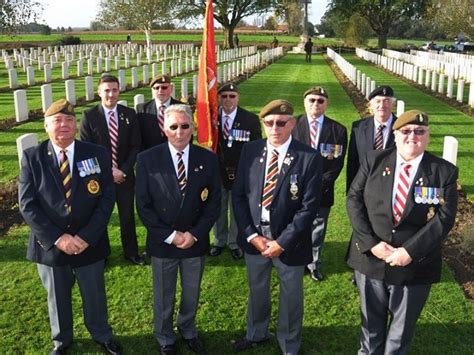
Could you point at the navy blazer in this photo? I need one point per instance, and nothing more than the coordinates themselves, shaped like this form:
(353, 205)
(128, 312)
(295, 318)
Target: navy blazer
(94, 129)
(163, 209)
(229, 156)
(44, 208)
(291, 215)
(361, 142)
(420, 231)
(147, 116)
(332, 132)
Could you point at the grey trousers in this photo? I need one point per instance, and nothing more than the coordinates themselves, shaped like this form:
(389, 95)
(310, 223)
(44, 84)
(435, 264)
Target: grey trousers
(318, 234)
(291, 302)
(165, 276)
(379, 334)
(225, 231)
(58, 282)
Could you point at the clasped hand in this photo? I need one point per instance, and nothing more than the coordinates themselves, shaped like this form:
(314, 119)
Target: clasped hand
(268, 248)
(71, 245)
(184, 240)
(391, 255)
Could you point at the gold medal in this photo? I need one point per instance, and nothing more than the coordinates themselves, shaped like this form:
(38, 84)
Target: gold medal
(204, 194)
(93, 187)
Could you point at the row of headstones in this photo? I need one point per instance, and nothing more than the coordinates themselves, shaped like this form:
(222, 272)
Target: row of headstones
(460, 66)
(104, 65)
(225, 73)
(365, 85)
(432, 80)
(161, 53)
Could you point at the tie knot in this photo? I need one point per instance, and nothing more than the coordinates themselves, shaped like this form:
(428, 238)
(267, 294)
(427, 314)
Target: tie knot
(179, 154)
(275, 152)
(406, 167)
(381, 127)
(111, 114)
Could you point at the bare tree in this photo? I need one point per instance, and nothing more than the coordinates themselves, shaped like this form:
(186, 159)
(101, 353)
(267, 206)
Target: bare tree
(135, 14)
(16, 13)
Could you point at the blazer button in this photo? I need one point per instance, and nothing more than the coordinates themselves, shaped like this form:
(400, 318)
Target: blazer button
(163, 209)
(393, 230)
(259, 205)
(65, 205)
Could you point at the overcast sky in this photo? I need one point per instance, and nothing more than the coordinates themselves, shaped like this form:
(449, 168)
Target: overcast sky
(79, 13)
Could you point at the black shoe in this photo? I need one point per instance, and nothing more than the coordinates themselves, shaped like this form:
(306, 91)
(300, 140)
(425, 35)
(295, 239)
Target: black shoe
(137, 260)
(112, 347)
(245, 344)
(59, 350)
(215, 251)
(195, 345)
(237, 253)
(168, 349)
(316, 275)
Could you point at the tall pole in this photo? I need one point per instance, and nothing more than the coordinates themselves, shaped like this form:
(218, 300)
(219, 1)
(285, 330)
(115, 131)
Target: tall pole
(305, 25)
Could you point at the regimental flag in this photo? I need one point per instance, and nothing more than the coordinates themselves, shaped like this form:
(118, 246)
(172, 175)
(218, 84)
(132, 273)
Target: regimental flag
(206, 102)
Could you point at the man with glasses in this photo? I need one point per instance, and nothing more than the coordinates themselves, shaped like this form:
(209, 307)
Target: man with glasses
(330, 139)
(275, 199)
(151, 114)
(116, 127)
(178, 200)
(237, 126)
(374, 132)
(401, 204)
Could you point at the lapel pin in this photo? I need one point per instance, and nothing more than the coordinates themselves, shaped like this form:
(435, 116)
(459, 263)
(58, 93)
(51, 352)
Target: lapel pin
(386, 171)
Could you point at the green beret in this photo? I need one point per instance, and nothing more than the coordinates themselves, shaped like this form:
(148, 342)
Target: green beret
(411, 117)
(277, 107)
(160, 79)
(317, 90)
(60, 106)
(383, 90)
(228, 87)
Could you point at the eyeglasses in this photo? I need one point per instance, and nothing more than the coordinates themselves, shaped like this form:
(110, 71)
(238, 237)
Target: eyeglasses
(230, 96)
(271, 123)
(417, 131)
(174, 127)
(319, 101)
(162, 87)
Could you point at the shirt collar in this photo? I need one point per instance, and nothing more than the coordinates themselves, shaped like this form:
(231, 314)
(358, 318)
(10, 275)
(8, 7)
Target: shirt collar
(414, 162)
(282, 149)
(387, 124)
(167, 103)
(174, 151)
(231, 115)
(69, 148)
(319, 119)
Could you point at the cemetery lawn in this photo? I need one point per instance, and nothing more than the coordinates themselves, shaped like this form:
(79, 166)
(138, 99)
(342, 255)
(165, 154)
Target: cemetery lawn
(331, 321)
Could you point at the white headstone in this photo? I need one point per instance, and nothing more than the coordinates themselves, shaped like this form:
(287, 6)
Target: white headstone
(70, 91)
(107, 64)
(146, 74)
(99, 65)
(64, 70)
(460, 92)
(184, 89)
(441, 83)
(195, 85)
(471, 94)
(80, 67)
(400, 107)
(46, 96)
(450, 149)
(25, 141)
(134, 77)
(449, 92)
(90, 66)
(154, 70)
(21, 105)
(121, 77)
(30, 75)
(163, 67)
(138, 99)
(12, 78)
(89, 83)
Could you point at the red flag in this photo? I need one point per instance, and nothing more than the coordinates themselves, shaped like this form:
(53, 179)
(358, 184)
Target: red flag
(206, 102)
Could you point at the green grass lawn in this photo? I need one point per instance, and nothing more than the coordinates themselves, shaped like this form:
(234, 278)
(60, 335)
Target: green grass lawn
(331, 322)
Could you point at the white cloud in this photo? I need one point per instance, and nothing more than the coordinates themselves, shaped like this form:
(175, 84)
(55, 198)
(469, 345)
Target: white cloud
(65, 13)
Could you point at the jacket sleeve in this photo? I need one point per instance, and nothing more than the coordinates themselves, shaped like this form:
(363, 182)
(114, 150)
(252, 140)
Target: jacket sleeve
(357, 211)
(352, 160)
(44, 229)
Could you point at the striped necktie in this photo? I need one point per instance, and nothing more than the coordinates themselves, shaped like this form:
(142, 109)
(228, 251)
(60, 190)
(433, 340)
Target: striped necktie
(379, 138)
(181, 172)
(161, 119)
(66, 177)
(113, 133)
(402, 193)
(314, 133)
(270, 180)
(226, 130)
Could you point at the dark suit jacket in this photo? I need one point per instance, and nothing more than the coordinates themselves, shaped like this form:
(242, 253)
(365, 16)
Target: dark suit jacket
(290, 219)
(162, 208)
(362, 141)
(94, 129)
(147, 116)
(43, 205)
(369, 205)
(332, 132)
(229, 156)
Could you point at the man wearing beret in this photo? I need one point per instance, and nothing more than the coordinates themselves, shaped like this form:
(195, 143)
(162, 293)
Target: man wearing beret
(275, 198)
(401, 204)
(373, 132)
(178, 199)
(237, 126)
(116, 127)
(151, 114)
(66, 197)
(330, 139)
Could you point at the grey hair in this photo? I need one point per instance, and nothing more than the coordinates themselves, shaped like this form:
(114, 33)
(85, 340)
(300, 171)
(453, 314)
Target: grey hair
(180, 108)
